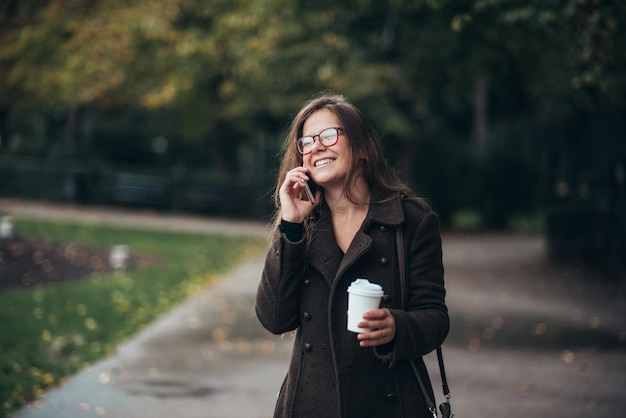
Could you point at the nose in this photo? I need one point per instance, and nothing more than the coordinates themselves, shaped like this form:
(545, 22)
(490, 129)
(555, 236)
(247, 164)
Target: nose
(317, 144)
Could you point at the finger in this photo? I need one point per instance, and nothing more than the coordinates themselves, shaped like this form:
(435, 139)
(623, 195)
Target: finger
(372, 339)
(374, 325)
(294, 183)
(376, 314)
(373, 335)
(298, 172)
(291, 179)
(368, 323)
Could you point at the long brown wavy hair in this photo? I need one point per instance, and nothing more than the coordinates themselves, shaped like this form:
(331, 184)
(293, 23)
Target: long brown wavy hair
(366, 153)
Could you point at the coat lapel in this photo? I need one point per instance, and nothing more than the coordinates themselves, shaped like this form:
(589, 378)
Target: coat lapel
(323, 252)
(360, 244)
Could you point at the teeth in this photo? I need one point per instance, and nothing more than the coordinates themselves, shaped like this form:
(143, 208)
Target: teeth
(323, 162)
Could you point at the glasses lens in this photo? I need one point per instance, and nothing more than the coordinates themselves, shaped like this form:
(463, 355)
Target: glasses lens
(328, 137)
(305, 144)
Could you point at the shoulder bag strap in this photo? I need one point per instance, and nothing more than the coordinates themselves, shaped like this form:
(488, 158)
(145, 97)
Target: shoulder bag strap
(442, 370)
(404, 296)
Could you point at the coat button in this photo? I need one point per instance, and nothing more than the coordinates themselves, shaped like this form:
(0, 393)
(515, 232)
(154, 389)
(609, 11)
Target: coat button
(382, 228)
(386, 299)
(391, 397)
(306, 282)
(384, 261)
(308, 347)
(307, 316)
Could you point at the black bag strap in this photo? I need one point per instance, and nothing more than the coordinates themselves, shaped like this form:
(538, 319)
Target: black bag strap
(430, 402)
(442, 370)
(404, 295)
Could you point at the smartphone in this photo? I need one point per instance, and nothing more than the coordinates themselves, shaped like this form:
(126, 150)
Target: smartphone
(309, 192)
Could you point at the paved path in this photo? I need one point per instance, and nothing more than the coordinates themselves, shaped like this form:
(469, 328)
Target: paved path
(131, 218)
(528, 339)
(208, 358)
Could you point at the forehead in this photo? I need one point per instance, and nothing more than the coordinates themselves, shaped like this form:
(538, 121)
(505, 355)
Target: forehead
(318, 121)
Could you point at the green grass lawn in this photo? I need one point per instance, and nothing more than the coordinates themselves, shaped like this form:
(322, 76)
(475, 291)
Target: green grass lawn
(50, 332)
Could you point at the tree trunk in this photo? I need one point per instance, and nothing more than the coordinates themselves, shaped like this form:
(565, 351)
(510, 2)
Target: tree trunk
(480, 114)
(72, 127)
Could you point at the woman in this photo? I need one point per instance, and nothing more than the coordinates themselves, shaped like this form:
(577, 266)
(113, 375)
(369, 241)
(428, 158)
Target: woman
(319, 248)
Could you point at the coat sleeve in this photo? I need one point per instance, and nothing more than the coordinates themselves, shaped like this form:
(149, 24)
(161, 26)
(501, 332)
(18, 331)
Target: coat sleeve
(278, 293)
(425, 324)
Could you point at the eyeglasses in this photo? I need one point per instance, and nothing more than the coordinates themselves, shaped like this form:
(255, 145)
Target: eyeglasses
(328, 137)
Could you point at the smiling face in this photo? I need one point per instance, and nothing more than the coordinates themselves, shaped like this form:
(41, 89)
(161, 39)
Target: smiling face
(328, 165)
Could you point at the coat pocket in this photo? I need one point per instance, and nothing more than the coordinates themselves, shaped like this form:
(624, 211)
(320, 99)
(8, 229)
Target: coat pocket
(370, 390)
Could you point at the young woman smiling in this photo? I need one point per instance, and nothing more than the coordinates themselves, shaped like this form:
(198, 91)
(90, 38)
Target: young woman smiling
(319, 248)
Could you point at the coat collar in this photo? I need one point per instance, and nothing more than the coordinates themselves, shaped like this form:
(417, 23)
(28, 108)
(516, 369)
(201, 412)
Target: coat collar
(385, 209)
(323, 252)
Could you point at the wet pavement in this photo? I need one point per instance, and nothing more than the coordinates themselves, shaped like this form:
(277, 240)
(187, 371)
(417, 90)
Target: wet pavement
(528, 338)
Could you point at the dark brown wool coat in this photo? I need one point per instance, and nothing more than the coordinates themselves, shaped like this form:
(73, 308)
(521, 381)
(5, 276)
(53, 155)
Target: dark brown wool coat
(330, 375)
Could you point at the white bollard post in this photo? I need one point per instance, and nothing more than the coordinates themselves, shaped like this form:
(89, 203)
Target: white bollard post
(118, 257)
(6, 228)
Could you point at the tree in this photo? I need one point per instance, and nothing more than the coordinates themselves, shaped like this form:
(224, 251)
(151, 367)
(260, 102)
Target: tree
(111, 54)
(453, 87)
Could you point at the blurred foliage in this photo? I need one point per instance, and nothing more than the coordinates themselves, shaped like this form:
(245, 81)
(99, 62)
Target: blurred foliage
(483, 105)
(467, 221)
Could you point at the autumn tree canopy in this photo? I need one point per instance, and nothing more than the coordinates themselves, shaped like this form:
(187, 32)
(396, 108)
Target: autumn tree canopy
(475, 87)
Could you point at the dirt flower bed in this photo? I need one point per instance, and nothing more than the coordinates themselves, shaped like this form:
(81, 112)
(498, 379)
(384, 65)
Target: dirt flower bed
(26, 263)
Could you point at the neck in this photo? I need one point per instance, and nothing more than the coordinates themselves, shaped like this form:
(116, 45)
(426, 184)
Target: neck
(340, 205)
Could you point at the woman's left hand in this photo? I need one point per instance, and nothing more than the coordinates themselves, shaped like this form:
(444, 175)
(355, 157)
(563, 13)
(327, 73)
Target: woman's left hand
(383, 326)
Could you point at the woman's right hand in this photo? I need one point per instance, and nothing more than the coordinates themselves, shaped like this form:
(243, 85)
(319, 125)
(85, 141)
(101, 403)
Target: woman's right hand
(294, 209)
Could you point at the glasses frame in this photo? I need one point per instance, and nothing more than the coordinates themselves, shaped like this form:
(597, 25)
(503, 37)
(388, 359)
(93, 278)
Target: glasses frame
(319, 138)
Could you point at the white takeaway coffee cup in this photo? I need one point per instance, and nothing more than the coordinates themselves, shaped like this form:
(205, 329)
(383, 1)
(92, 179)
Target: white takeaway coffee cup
(363, 296)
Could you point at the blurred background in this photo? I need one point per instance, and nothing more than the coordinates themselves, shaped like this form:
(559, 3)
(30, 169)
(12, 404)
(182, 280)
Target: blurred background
(505, 115)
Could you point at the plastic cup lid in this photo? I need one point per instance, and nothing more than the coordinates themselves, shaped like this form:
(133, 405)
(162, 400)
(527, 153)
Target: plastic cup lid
(365, 288)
